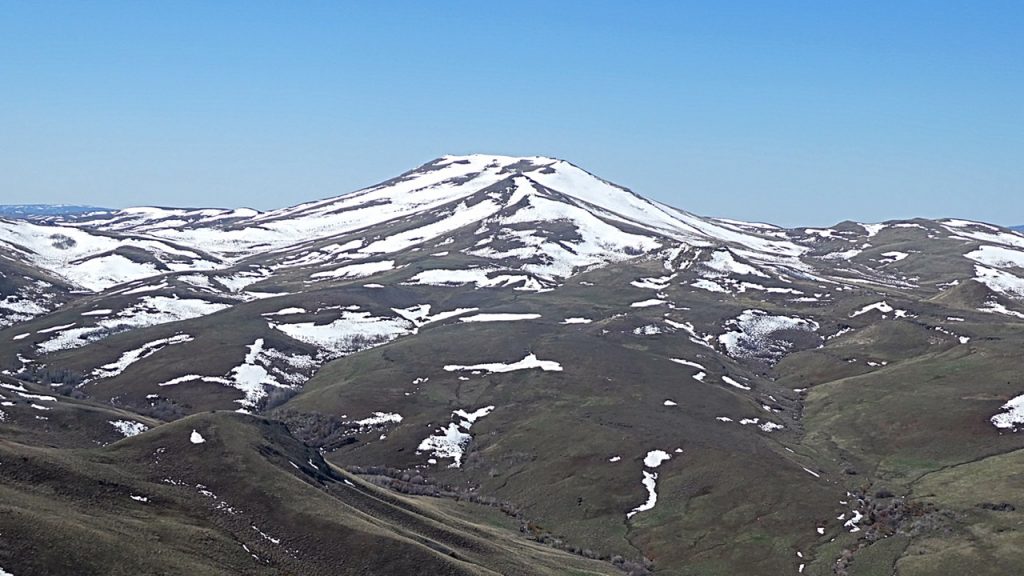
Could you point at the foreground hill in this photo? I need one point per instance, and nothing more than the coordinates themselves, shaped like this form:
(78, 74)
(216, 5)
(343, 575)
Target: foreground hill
(525, 347)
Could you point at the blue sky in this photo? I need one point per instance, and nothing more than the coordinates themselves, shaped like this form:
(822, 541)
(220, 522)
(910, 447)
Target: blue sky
(793, 112)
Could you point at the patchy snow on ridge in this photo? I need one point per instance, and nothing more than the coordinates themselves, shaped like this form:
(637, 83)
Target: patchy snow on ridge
(132, 356)
(1000, 281)
(1012, 417)
(352, 332)
(753, 333)
(650, 482)
(997, 257)
(452, 440)
(655, 458)
(648, 303)
(723, 263)
(356, 270)
(499, 317)
(576, 320)
(882, 307)
(480, 277)
(148, 311)
(129, 427)
(530, 361)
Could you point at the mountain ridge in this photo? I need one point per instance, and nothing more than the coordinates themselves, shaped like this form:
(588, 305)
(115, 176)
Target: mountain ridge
(480, 326)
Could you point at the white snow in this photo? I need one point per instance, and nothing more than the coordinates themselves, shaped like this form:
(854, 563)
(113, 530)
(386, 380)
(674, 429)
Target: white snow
(148, 311)
(351, 332)
(1012, 416)
(893, 256)
(1000, 281)
(647, 303)
(734, 383)
(196, 437)
(132, 356)
(752, 334)
(670, 403)
(615, 459)
(650, 482)
(882, 307)
(470, 418)
(357, 270)
(286, 311)
(723, 263)
(853, 521)
(873, 229)
(997, 257)
(128, 427)
(654, 458)
(379, 418)
(687, 363)
(710, 286)
(577, 320)
(450, 442)
(507, 317)
(530, 361)
(481, 277)
(659, 283)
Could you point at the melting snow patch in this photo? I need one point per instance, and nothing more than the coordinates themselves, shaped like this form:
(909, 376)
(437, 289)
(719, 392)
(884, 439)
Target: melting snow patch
(710, 286)
(998, 257)
(894, 256)
(357, 270)
(530, 361)
(734, 383)
(723, 263)
(1000, 281)
(687, 363)
(196, 437)
(1012, 417)
(380, 418)
(670, 403)
(499, 317)
(148, 311)
(132, 356)
(882, 307)
(659, 283)
(648, 303)
(752, 331)
(654, 458)
(129, 427)
(286, 312)
(352, 332)
(452, 440)
(615, 459)
(650, 482)
(577, 321)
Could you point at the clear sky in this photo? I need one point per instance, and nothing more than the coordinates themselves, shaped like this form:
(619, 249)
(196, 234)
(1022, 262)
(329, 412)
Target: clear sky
(794, 112)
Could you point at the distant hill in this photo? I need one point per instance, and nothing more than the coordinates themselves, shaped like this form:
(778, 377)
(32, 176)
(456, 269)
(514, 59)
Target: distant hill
(1017, 228)
(37, 211)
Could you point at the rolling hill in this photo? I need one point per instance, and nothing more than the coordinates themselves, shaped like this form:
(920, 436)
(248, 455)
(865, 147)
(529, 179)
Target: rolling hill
(508, 365)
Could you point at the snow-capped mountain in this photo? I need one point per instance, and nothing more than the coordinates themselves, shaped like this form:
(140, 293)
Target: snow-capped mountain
(487, 324)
